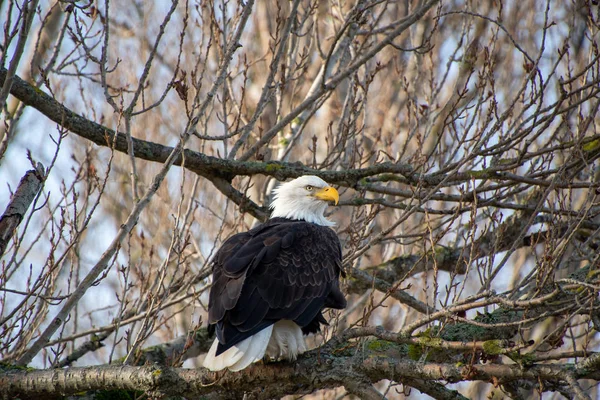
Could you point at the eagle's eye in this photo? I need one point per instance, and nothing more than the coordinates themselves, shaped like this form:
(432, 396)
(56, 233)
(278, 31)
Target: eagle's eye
(309, 188)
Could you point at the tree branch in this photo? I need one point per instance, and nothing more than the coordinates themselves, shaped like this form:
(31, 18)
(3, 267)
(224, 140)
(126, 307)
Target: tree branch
(28, 188)
(316, 369)
(196, 162)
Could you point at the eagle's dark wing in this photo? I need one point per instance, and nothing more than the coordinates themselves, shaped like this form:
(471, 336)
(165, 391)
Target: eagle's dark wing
(283, 269)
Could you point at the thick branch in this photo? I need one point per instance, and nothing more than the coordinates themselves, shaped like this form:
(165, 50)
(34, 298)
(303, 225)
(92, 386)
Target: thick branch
(28, 188)
(361, 280)
(312, 371)
(455, 260)
(213, 168)
(436, 390)
(179, 349)
(199, 163)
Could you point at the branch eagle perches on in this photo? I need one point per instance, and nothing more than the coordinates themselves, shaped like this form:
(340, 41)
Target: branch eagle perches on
(316, 370)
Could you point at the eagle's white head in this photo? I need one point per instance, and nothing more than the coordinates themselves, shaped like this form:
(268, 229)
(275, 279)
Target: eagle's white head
(304, 198)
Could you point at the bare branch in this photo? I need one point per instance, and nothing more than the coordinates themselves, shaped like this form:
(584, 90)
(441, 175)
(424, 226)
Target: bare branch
(28, 188)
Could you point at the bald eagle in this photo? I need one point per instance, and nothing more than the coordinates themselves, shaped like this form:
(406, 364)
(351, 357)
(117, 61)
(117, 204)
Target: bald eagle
(271, 284)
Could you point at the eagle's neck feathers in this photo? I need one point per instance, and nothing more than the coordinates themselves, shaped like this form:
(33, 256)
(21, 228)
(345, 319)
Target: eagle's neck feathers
(300, 210)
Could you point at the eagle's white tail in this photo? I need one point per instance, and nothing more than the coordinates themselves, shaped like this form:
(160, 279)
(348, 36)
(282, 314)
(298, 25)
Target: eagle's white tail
(284, 339)
(287, 341)
(241, 355)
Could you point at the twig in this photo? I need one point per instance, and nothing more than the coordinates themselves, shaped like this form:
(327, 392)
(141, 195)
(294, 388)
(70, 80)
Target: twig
(28, 13)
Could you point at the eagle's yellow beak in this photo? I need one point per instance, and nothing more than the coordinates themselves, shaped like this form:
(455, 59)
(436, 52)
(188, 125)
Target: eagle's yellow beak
(328, 193)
